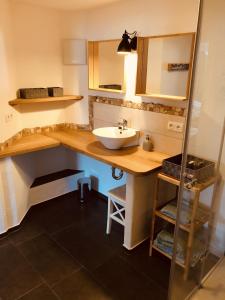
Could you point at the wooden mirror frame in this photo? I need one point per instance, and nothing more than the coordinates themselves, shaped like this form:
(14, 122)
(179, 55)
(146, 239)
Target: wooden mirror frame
(142, 50)
(93, 66)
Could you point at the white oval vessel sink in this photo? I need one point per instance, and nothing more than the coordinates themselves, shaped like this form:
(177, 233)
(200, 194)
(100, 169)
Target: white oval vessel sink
(114, 138)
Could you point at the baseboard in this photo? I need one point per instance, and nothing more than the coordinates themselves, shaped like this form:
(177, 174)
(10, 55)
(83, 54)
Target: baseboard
(135, 245)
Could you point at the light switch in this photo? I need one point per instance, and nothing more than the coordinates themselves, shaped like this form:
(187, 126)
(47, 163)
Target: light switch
(175, 126)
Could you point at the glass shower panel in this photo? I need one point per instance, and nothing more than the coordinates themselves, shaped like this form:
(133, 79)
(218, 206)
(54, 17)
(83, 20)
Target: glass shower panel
(199, 240)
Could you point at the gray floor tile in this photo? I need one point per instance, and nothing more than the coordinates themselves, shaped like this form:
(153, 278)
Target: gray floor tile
(50, 260)
(16, 275)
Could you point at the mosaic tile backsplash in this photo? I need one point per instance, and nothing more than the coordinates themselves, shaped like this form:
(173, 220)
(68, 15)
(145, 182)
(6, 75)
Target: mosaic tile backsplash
(153, 107)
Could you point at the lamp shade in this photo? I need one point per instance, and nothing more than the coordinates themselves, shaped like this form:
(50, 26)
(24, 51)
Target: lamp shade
(133, 43)
(124, 46)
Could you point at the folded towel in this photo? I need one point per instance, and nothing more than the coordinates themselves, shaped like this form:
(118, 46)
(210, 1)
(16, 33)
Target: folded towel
(165, 242)
(170, 210)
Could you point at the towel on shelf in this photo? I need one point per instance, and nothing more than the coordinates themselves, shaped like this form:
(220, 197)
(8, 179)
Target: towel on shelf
(165, 242)
(170, 210)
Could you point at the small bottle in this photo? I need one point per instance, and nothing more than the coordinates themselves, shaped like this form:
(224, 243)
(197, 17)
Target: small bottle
(147, 143)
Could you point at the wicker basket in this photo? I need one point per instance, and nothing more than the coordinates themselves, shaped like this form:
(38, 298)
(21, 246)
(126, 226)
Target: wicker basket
(196, 168)
(33, 93)
(55, 92)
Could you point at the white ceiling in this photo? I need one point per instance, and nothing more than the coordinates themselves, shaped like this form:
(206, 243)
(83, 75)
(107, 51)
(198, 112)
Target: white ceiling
(68, 4)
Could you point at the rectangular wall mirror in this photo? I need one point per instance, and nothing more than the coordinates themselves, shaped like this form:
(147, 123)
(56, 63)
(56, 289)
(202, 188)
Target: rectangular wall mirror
(165, 66)
(106, 67)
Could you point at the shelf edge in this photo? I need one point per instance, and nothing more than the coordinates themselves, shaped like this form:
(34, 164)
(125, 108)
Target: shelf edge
(19, 101)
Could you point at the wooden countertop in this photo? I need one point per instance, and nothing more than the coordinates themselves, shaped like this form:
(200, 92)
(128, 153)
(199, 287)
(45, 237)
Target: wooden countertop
(133, 160)
(28, 144)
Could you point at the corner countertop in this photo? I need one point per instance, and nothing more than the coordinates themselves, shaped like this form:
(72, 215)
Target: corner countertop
(29, 143)
(133, 160)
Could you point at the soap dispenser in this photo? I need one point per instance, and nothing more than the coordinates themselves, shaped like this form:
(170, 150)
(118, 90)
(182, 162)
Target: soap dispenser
(147, 143)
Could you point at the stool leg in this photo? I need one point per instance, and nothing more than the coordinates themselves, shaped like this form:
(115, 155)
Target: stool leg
(81, 193)
(109, 220)
(89, 186)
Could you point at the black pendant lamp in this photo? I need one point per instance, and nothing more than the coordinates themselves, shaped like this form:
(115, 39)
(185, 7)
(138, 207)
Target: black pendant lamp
(128, 43)
(133, 43)
(124, 46)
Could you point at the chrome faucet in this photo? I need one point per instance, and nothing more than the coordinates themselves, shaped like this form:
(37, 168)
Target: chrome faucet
(122, 125)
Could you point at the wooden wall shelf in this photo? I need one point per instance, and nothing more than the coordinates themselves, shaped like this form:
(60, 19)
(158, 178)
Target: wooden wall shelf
(45, 100)
(164, 97)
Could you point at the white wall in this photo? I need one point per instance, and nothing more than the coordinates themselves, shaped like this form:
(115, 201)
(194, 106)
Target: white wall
(30, 48)
(38, 59)
(30, 45)
(7, 76)
(37, 46)
(74, 25)
(16, 177)
(148, 17)
(36, 39)
(30, 56)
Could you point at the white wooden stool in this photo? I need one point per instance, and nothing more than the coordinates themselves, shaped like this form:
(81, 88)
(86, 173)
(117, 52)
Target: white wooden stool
(116, 198)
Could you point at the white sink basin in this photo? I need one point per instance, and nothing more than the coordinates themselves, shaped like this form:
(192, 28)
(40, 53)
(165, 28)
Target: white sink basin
(114, 138)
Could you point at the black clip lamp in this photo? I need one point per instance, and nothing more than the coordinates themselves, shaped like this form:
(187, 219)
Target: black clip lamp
(128, 43)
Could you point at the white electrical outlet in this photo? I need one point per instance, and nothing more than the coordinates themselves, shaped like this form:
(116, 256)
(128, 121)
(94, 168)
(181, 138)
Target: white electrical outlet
(8, 117)
(175, 126)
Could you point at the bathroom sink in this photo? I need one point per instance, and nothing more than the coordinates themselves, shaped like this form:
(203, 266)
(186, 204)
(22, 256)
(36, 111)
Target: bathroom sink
(113, 137)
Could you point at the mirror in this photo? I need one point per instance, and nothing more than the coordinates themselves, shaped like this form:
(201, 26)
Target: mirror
(165, 65)
(106, 67)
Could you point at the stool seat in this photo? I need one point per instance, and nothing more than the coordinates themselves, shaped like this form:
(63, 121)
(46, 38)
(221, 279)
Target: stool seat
(84, 180)
(116, 206)
(119, 193)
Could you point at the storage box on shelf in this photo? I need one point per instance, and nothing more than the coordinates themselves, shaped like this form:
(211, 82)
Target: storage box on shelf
(55, 91)
(196, 213)
(30, 93)
(197, 168)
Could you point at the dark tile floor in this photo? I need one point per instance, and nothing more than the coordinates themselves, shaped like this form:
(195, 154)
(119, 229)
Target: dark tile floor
(61, 251)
